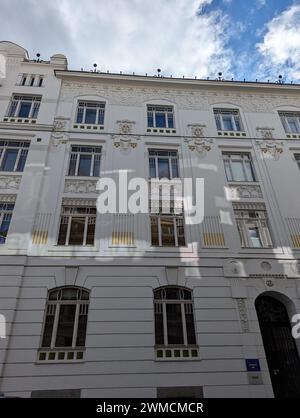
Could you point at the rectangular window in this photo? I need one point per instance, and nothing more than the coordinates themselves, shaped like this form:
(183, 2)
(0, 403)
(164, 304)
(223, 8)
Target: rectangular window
(91, 113)
(6, 211)
(238, 167)
(77, 225)
(290, 121)
(160, 116)
(228, 120)
(85, 161)
(163, 164)
(167, 230)
(26, 107)
(30, 80)
(253, 225)
(13, 155)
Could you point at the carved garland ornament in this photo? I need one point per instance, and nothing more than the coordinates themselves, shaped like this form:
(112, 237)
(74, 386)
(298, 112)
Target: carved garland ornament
(125, 140)
(269, 146)
(197, 142)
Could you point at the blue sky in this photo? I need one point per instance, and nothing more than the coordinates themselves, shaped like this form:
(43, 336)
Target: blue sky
(257, 39)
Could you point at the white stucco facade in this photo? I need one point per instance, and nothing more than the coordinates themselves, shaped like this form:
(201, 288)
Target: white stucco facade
(225, 277)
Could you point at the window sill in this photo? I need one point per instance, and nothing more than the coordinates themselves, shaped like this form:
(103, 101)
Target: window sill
(88, 127)
(19, 120)
(176, 353)
(11, 173)
(292, 136)
(168, 131)
(235, 134)
(64, 355)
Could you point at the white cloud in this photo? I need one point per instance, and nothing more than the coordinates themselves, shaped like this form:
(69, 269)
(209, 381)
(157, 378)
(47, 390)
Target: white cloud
(281, 45)
(178, 36)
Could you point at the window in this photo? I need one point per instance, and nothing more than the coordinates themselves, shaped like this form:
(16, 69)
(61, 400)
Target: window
(30, 80)
(85, 161)
(160, 116)
(91, 113)
(77, 225)
(238, 167)
(163, 164)
(66, 318)
(252, 223)
(228, 120)
(24, 107)
(6, 211)
(297, 158)
(167, 230)
(13, 155)
(290, 121)
(174, 318)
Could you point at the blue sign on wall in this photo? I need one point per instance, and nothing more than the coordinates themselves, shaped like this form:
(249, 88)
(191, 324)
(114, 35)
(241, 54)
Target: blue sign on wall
(253, 365)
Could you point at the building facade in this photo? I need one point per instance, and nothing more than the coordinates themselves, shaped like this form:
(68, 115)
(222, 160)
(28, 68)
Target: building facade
(146, 305)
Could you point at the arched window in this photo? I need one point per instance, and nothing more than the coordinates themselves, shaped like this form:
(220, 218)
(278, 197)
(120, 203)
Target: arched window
(66, 318)
(174, 322)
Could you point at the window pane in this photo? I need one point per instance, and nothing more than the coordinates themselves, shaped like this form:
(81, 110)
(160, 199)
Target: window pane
(159, 328)
(48, 331)
(79, 115)
(170, 121)
(174, 324)
(174, 163)
(72, 165)
(293, 125)
(163, 168)
(152, 170)
(154, 231)
(227, 123)
(249, 171)
(190, 328)
(84, 167)
(24, 110)
(90, 116)
(81, 333)
(22, 160)
(227, 170)
(237, 171)
(77, 231)
(62, 233)
(160, 120)
(9, 159)
(255, 237)
(167, 231)
(4, 227)
(150, 119)
(90, 234)
(65, 327)
(96, 171)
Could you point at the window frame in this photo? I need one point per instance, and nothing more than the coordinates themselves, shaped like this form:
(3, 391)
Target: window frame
(69, 214)
(21, 146)
(228, 160)
(16, 101)
(234, 116)
(94, 156)
(98, 105)
(284, 115)
(177, 218)
(167, 110)
(169, 157)
(4, 213)
(58, 303)
(160, 307)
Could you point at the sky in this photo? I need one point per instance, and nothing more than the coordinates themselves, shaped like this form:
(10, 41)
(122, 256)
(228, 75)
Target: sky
(253, 39)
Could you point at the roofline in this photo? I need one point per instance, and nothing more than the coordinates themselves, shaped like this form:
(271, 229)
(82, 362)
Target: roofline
(181, 81)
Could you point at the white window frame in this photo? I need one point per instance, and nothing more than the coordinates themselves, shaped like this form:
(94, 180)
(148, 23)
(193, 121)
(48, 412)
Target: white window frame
(167, 110)
(82, 306)
(84, 104)
(284, 117)
(229, 157)
(169, 157)
(185, 305)
(94, 155)
(19, 98)
(66, 212)
(21, 150)
(258, 220)
(176, 219)
(4, 213)
(233, 114)
(25, 80)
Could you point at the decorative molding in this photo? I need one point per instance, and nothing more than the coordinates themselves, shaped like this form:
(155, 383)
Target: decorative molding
(41, 228)
(10, 182)
(197, 142)
(59, 135)
(80, 186)
(241, 305)
(244, 191)
(265, 132)
(78, 202)
(197, 130)
(269, 146)
(8, 198)
(125, 140)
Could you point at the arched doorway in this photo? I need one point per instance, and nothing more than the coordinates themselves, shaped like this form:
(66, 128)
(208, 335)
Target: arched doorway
(280, 347)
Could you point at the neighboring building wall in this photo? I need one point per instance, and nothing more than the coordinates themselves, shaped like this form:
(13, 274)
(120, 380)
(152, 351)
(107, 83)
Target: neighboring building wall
(119, 356)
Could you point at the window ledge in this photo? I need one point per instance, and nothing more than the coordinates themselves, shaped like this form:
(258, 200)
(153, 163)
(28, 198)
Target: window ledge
(19, 120)
(241, 183)
(176, 353)
(238, 134)
(293, 136)
(168, 131)
(63, 355)
(89, 127)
